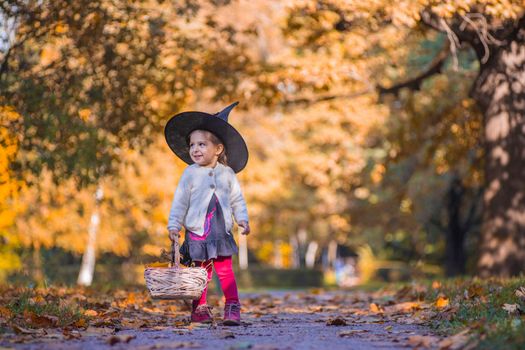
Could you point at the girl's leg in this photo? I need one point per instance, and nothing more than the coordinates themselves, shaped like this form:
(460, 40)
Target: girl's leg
(202, 300)
(224, 270)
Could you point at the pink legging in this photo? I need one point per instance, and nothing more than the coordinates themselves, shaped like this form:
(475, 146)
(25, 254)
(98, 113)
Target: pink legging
(224, 270)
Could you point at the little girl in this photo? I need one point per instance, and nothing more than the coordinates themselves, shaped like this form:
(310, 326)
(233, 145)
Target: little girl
(207, 196)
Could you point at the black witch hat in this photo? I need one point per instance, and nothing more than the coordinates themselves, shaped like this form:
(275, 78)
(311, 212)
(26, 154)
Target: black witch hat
(181, 125)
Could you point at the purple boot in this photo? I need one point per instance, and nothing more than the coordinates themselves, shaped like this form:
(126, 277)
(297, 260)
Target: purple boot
(201, 314)
(232, 314)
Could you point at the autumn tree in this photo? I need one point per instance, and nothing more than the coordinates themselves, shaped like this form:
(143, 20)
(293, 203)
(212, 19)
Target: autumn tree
(494, 30)
(91, 79)
(10, 188)
(497, 35)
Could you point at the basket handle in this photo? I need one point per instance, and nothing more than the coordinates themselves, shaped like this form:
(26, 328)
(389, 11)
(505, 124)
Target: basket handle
(175, 255)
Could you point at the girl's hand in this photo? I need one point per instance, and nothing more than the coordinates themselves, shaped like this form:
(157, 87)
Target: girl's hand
(174, 235)
(246, 227)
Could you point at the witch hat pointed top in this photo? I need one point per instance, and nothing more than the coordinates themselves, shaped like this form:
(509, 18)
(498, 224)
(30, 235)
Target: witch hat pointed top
(226, 111)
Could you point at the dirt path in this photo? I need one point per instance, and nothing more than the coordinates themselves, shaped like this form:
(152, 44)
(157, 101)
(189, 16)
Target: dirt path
(292, 320)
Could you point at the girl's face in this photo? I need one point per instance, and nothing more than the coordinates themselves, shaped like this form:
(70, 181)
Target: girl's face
(202, 150)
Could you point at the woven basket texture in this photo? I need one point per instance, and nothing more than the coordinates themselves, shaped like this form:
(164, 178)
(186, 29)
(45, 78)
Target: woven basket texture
(175, 282)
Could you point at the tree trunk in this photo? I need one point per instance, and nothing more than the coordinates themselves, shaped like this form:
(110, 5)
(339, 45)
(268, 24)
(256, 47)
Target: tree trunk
(311, 252)
(38, 268)
(500, 92)
(87, 269)
(455, 257)
(302, 236)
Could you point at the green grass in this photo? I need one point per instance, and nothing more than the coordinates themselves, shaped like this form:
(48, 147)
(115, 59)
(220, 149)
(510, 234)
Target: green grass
(476, 304)
(27, 303)
(479, 307)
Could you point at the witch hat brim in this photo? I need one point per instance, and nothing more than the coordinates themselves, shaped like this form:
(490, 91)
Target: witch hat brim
(181, 125)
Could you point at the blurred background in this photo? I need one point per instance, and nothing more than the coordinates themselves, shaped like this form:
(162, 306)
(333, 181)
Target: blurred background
(366, 134)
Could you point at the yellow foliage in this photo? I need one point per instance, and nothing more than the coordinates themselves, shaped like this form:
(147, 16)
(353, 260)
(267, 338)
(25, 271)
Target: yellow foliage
(49, 54)
(84, 114)
(265, 252)
(9, 190)
(368, 263)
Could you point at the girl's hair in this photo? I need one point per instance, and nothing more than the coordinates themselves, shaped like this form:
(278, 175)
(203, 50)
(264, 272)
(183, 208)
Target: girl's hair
(216, 141)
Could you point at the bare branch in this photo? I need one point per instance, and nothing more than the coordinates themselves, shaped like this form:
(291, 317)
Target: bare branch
(485, 28)
(305, 100)
(415, 83)
(482, 34)
(454, 42)
(431, 20)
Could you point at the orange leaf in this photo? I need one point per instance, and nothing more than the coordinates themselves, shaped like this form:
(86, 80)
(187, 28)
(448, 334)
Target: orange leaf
(375, 308)
(5, 312)
(442, 302)
(38, 299)
(81, 323)
(474, 291)
(43, 321)
(90, 313)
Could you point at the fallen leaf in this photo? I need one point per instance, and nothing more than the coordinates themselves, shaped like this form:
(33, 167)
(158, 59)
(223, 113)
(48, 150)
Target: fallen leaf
(71, 334)
(38, 299)
(52, 335)
(442, 302)
(111, 313)
(91, 313)
(369, 319)
(81, 323)
(351, 333)
(403, 292)
(40, 321)
(456, 341)
(114, 339)
(474, 291)
(408, 306)
(132, 323)
(375, 308)
(21, 330)
(226, 335)
(422, 341)
(520, 293)
(338, 321)
(97, 331)
(511, 308)
(5, 312)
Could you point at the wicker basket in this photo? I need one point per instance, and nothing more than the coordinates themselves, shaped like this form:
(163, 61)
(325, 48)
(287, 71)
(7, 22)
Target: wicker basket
(174, 282)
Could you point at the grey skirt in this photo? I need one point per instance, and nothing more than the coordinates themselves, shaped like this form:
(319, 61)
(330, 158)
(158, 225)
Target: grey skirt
(215, 241)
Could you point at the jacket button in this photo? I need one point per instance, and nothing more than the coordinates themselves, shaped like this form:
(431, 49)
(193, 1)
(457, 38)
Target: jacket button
(211, 173)
(212, 186)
